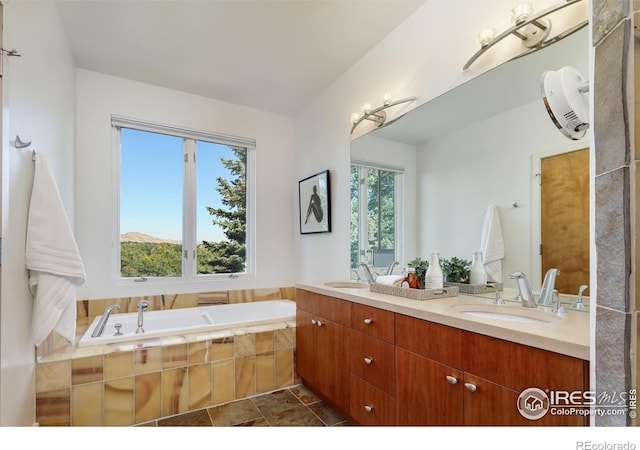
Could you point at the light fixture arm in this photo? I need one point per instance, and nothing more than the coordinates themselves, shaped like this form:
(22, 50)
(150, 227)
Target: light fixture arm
(377, 115)
(535, 20)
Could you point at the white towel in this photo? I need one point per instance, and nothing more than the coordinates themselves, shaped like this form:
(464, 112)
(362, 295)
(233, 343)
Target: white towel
(492, 245)
(390, 280)
(52, 257)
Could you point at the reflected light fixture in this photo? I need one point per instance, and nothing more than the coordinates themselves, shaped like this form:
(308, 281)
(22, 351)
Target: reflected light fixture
(564, 96)
(376, 115)
(532, 29)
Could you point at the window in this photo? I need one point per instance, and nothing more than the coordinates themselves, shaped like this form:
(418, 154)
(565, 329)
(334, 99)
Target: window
(184, 205)
(375, 214)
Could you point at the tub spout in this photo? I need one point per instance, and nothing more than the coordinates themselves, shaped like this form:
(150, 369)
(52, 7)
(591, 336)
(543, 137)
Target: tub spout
(97, 331)
(142, 306)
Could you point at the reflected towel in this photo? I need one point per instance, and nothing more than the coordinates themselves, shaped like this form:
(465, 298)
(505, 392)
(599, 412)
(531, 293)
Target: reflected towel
(390, 280)
(52, 258)
(492, 245)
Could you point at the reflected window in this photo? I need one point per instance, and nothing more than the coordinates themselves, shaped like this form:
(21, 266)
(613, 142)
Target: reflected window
(374, 216)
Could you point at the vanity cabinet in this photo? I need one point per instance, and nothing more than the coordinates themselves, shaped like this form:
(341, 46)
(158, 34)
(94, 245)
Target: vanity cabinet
(321, 350)
(385, 368)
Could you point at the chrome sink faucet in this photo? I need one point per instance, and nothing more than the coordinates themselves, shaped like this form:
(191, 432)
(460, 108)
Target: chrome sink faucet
(97, 331)
(528, 299)
(390, 267)
(548, 286)
(142, 306)
(370, 278)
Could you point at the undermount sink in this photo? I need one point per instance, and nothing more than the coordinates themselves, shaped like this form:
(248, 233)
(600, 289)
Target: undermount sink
(507, 313)
(346, 284)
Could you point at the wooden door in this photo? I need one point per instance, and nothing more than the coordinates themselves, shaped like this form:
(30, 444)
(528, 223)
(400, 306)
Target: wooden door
(565, 219)
(424, 395)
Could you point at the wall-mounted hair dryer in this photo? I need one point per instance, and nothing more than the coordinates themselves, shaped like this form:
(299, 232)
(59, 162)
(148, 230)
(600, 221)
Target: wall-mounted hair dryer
(564, 95)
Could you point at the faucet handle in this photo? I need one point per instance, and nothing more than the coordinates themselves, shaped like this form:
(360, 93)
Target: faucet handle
(118, 332)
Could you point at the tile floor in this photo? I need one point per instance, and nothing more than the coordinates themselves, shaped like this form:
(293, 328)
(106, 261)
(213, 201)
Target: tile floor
(294, 406)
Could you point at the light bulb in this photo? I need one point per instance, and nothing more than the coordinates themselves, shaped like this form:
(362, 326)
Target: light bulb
(366, 108)
(386, 98)
(521, 12)
(485, 37)
(355, 117)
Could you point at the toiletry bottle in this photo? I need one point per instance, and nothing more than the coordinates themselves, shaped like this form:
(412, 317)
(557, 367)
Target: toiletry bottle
(477, 274)
(434, 278)
(411, 280)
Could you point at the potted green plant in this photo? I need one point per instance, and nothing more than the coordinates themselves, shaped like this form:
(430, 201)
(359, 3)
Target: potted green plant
(456, 270)
(421, 267)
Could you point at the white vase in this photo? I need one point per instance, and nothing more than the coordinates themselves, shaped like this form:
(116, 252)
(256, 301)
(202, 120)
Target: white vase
(477, 274)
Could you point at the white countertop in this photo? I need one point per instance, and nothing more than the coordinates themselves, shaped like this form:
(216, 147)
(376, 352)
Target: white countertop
(567, 336)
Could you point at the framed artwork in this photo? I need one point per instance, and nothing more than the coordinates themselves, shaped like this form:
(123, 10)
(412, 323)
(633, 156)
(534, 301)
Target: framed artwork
(315, 204)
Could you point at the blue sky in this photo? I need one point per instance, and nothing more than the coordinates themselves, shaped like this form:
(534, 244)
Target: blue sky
(151, 185)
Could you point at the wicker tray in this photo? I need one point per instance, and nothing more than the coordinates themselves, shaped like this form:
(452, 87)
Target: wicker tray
(475, 288)
(414, 294)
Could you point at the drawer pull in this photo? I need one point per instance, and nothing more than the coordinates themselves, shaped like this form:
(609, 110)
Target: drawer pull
(318, 323)
(368, 360)
(471, 387)
(452, 380)
(368, 408)
(368, 321)
(313, 321)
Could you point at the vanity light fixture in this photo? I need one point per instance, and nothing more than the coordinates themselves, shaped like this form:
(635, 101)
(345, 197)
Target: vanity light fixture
(376, 115)
(532, 29)
(564, 96)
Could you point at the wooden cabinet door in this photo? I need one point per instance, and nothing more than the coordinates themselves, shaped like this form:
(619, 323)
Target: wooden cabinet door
(369, 405)
(491, 404)
(424, 393)
(373, 360)
(322, 357)
(332, 364)
(305, 346)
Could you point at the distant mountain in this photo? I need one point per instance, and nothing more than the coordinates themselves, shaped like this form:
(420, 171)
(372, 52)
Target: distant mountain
(134, 236)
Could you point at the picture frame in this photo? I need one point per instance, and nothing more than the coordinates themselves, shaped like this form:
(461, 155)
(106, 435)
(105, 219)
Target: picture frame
(315, 203)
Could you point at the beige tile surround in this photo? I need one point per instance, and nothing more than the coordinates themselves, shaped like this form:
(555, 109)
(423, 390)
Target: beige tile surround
(121, 385)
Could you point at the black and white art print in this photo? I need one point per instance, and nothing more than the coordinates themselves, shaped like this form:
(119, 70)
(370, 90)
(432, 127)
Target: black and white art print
(315, 212)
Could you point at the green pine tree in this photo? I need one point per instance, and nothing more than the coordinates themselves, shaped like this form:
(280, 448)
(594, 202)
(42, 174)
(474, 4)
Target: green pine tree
(228, 256)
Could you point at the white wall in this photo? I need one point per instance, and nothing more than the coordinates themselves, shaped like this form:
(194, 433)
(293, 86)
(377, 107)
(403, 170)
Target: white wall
(422, 57)
(39, 103)
(99, 96)
(489, 162)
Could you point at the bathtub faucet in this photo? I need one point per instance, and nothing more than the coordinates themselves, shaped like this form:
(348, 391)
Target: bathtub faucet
(97, 331)
(142, 306)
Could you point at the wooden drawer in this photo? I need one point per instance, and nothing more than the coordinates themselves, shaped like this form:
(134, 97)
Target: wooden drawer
(431, 340)
(329, 308)
(369, 405)
(373, 360)
(374, 322)
(519, 367)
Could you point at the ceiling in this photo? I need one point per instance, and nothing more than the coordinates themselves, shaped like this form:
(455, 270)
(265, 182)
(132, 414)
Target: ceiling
(271, 55)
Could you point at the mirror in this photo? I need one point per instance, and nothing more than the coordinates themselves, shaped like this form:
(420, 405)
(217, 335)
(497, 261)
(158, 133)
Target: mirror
(480, 144)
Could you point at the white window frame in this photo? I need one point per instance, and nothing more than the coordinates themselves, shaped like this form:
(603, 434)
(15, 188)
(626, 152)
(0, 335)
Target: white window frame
(189, 262)
(363, 210)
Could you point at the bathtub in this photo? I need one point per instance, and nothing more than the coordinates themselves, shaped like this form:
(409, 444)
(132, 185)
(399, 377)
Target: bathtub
(190, 320)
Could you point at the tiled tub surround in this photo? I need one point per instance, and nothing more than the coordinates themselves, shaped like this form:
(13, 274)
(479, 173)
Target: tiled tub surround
(125, 383)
